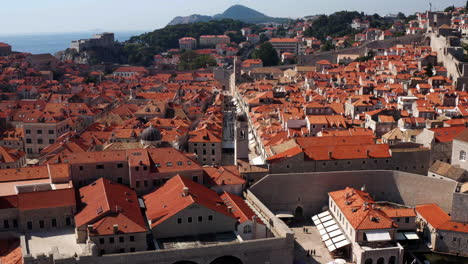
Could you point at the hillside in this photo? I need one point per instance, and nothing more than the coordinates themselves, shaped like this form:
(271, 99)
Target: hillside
(236, 12)
(141, 49)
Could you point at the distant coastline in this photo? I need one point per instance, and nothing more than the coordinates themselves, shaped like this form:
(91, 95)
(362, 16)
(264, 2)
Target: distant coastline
(54, 42)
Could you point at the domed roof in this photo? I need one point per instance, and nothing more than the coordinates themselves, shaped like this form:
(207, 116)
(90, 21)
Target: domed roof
(151, 134)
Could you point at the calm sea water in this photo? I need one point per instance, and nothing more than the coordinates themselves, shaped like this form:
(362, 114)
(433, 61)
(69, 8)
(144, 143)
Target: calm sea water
(51, 43)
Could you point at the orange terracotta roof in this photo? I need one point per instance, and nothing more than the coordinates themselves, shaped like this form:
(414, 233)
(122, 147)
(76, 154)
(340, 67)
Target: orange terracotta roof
(169, 200)
(358, 208)
(105, 204)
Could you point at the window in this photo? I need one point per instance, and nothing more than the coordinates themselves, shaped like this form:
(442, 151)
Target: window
(121, 239)
(180, 163)
(122, 250)
(145, 183)
(68, 221)
(145, 168)
(54, 222)
(119, 165)
(247, 229)
(103, 252)
(15, 223)
(39, 132)
(81, 168)
(29, 225)
(28, 140)
(132, 238)
(204, 151)
(137, 168)
(101, 241)
(6, 224)
(392, 260)
(195, 178)
(441, 237)
(100, 167)
(179, 220)
(111, 240)
(119, 179)
(41, 223)
(462, 155)
(200, 218)
(454, 239)
(51, 132)
(406, 219)
(380, 260)
(210, 218)
(169, 164)
(189, 219)
(28, 131)
(132, 249)
(213, 152)
(51, 141)
(137, 184)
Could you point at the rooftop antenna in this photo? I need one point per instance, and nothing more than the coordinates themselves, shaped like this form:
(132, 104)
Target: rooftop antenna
(430, 7)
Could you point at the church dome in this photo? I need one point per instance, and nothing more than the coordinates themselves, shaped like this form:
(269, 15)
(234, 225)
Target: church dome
(151, 134)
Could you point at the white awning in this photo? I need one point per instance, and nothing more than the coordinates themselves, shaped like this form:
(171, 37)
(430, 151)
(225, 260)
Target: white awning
(335, 233)
(320, 227)
(321, 215)
(326, 218)
(342, 244)
(332, 228)
(378, 235)
(338, 238)
(411, 236)
(329, 223)
(284, 214)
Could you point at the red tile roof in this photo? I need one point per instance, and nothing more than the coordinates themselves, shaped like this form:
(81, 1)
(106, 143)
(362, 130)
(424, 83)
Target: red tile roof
(169, 200)
(223, 175)
(239, 208)
(439, 219)
(357, 207)
(46, 199)
(104, 204)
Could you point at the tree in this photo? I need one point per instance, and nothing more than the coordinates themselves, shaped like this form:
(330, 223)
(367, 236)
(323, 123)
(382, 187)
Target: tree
(190, 60)
(327, 46)
(267, 54)
(450, 9)
(401, 16)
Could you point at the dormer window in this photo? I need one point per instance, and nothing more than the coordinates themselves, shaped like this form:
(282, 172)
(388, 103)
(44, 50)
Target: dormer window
(169, 164)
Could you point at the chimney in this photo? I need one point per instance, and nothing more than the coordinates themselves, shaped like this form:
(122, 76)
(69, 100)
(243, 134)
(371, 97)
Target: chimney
(329, 153)
(185, 192)
(365, 206)
(90, 228)
(116, 228)
(229, 209)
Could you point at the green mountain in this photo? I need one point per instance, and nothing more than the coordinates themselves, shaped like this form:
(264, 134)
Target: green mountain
(235, 12)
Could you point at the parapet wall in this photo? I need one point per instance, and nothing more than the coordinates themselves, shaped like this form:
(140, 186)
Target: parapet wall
(272, 250)
(362, 50)
(286, 192)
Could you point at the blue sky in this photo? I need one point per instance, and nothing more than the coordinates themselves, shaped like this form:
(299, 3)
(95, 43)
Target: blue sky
(34, 16)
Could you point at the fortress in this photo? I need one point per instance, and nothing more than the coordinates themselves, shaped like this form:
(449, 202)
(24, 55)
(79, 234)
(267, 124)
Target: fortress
(104, 40)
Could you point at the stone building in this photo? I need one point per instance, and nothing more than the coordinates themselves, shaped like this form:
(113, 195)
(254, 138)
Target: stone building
(110, 217)
(5, 49)
(11, 158)
(104, 40)
(187, 43)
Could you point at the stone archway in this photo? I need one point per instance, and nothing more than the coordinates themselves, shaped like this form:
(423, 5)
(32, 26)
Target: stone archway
(299, 213)
(227, 260)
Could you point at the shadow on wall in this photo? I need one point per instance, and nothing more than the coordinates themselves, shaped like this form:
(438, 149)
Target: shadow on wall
(309, 191)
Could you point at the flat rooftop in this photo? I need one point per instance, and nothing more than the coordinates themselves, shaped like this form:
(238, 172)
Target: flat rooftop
(196, 241)
(45, 242)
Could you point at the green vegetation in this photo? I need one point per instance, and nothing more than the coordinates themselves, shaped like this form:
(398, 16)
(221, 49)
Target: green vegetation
(267, 54)
(369, 56)
(339, 24)
(141, 49)
(327, 46)
(450, 9)
(190, 60)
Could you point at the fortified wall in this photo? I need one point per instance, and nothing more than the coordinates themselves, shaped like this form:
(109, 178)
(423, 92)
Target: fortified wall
(309, 191)
(362, 50)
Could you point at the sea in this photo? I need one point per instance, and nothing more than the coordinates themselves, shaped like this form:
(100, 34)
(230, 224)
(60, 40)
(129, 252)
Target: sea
(54, 42)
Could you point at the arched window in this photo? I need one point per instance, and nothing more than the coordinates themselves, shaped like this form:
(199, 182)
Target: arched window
(380, 260)
(462, 155)
(247, 229)
(392, 260)
(368, 261)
